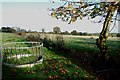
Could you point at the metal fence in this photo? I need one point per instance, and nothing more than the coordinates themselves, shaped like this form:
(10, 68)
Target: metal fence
(22, 54)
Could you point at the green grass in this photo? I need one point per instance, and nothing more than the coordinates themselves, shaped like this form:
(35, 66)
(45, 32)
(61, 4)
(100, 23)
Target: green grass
(53, 67)
(10, 37)
(62, 66)
(22, 60)
(88, 45)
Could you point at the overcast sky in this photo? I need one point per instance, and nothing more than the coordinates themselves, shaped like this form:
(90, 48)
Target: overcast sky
(35, 16)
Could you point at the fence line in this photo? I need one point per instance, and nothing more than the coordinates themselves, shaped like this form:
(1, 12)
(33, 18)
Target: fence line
(22, 53)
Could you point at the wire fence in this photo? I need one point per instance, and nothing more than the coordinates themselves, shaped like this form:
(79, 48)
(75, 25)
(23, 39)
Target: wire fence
(22, 54)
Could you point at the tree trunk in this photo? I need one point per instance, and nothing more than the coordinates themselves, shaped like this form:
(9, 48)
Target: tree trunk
(101, 41)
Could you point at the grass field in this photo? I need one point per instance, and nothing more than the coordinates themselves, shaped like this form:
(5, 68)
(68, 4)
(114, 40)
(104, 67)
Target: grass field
(86, 43)
(9, 37)
(62, 65)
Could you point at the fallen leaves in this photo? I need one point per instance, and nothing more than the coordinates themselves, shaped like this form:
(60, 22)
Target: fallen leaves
(54, 77)
(63, 71)
(30, 72)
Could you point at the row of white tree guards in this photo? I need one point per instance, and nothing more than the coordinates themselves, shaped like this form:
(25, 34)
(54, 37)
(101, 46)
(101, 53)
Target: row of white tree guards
(22, 54)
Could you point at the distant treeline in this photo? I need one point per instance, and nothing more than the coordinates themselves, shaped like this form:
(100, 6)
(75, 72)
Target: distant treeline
(81, 33)
(91, 34)
(7, 30)
(56, 30)
(11, 30)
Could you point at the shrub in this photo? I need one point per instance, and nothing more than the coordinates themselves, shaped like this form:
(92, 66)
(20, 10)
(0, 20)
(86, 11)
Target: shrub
(59, 42)
(21, 33)
(34, 37)
(118, 35)
(74, 32)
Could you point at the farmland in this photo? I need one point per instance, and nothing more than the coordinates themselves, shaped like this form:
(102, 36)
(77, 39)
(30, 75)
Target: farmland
(9, 37)
(73, 62)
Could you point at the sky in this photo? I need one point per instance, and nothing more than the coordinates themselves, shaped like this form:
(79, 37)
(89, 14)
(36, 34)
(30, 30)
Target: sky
(52, 0)
(35, 16)
(25, 0)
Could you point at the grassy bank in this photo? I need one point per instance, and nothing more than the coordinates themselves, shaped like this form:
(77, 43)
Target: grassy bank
(72, 63)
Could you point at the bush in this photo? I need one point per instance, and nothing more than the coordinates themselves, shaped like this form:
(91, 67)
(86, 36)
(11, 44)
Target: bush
(74, 32)
(34, 37)
(56, 44)
(21, 33)
(59, 42)
(118, 35)
(48, 43)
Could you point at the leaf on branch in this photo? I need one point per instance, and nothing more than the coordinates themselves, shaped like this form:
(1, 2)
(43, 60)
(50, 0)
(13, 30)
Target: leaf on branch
(53, 14)
(69, 7)
(81, 17)
(72, 11)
